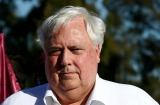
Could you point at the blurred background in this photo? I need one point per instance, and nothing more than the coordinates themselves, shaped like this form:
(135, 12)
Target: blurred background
(130, 54)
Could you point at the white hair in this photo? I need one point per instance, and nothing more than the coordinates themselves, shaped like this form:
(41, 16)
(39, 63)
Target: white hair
(94, 25)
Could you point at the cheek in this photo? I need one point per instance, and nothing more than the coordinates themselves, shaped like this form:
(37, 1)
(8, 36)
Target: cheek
(50, 69)
(51, 62)
(88, 71)
(87, 65)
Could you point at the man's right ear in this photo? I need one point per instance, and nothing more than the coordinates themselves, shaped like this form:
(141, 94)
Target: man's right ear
(98, 53)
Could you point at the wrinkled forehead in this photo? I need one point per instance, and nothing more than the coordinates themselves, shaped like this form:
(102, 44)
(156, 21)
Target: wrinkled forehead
(78, 22)
(74, 30)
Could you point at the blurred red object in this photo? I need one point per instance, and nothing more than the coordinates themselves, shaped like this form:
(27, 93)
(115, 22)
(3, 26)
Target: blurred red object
(8, 81)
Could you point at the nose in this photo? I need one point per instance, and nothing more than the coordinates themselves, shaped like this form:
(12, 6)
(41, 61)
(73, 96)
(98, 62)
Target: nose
(66, 58)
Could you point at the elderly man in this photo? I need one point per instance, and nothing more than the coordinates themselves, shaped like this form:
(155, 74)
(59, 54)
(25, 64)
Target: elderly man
(72, 40)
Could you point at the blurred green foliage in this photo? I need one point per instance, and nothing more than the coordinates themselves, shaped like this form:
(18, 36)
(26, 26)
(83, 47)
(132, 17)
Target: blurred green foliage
(130, 54)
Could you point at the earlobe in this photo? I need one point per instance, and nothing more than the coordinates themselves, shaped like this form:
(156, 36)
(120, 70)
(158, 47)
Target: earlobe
(98, 59)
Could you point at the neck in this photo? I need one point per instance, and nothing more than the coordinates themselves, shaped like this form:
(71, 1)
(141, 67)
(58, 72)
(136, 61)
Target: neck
(76, 100)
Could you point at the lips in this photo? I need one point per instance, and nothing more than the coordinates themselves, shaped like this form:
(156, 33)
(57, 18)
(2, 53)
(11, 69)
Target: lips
(67, 76)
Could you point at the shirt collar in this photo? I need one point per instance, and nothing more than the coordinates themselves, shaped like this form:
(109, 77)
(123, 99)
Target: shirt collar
(96, 97)
(50, 97)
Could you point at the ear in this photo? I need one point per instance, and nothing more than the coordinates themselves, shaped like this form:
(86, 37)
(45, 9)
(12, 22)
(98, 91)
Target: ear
(98, 53)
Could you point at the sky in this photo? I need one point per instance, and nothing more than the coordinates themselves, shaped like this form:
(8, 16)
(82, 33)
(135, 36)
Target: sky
(23, 7)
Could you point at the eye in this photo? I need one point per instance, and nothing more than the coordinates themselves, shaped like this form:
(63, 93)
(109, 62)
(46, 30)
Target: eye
(75, 50)
(54, 52)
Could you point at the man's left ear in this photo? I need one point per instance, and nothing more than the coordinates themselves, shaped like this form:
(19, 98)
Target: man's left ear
(98, 53)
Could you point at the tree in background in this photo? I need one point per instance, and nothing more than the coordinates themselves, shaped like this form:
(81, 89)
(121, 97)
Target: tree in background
(135, 26)
(131, 51)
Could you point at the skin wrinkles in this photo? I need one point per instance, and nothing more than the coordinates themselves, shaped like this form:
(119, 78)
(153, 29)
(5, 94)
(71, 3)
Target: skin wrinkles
(71, 63)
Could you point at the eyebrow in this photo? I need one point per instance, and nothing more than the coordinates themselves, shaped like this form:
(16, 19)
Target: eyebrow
(55, 47)
(77, 46)
(70, 47)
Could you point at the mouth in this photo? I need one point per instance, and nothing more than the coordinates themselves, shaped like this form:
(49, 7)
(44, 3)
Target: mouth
(68, 73)
(67, 76)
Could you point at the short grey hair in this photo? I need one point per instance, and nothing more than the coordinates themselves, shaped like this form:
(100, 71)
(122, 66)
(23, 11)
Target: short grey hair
(94, 25)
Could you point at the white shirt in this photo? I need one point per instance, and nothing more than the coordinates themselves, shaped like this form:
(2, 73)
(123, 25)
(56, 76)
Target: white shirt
(104, 93)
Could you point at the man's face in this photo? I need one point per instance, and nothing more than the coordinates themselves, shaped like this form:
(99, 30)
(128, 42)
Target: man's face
(71, 60)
